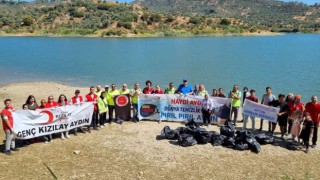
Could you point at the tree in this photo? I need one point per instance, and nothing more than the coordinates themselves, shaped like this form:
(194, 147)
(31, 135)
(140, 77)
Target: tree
(27, 20)
(225, 22)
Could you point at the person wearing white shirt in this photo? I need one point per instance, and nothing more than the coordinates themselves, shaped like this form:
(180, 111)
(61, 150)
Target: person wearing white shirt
(207, 106)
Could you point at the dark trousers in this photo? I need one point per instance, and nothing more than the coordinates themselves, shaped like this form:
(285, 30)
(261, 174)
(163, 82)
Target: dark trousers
(103, 117)
(94, 121)
(135, 112)
(206, 116)
(269, 125)
(234, 111)
(290, 122)
(315, 136)
(111, 110)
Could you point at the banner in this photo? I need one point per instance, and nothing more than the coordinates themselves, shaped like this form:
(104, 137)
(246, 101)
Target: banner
(30, 124)
(174, 107)
(123, 107)
(268, 113)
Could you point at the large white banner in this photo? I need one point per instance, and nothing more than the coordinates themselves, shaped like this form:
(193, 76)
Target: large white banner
(29, 124)
(174, 107)
(268, 113)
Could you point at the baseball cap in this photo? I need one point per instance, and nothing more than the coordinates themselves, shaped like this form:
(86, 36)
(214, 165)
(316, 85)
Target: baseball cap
(106, 86)
(185, 80)
(297, 96)
(77, 91)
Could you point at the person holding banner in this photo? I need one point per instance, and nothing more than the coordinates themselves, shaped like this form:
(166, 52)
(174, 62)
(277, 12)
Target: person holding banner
(170, 89)
(282, 115)
(32, 103)
(62, 101)
(196, 90)
(98, 91)
(92, 97)
(202, 90)
(221, 94)
(148, 89)
(43, 105)
(77, 100)
(245, 95)
(51, 103)
(134, 96)
(124, 89)
(266, 99)
(158, 90)
(235, 95)
(214, 93)
(313, 108)
(185, 88)
(7, 123)
(110, 96)
(207, 106)
(253, 98)
(103, 108)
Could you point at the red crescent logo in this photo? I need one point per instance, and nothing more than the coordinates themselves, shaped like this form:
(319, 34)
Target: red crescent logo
(122, 100)
(49, 113)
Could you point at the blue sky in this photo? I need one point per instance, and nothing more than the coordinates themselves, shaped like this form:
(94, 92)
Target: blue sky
(304, 1)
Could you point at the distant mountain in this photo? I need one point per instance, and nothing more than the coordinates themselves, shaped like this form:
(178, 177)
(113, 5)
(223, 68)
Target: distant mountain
(266, 13)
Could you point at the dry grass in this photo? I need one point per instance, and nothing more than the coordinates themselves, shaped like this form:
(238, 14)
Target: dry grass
(131, 151)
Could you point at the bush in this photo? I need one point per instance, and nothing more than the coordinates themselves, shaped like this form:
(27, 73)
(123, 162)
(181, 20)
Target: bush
(27, 20)
(77, 14)
(225, 22)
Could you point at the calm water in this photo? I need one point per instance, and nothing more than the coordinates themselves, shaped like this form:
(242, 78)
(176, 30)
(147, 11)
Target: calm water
(288, 63)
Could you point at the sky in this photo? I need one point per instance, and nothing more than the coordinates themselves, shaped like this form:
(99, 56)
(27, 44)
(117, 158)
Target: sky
(304, 1)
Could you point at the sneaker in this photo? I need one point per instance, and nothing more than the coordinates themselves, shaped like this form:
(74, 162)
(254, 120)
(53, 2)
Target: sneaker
(76, 134)
(313, 146)
(15, 149)
(62, 136)
(46, 142)
(102, 126)
(208, 125)
(8, 152)
(67, 136)
(51, 140)
(307, 150)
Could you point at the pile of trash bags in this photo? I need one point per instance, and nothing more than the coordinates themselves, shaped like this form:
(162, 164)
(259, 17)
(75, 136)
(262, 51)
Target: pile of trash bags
(228, 137)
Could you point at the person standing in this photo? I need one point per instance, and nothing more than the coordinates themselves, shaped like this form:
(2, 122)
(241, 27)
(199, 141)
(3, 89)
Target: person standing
(282, 115)
(135, 92)
(253, 98)
(185, 88)
(207, 106)
(313, 108)
(235, 95)
(51, 103)
(63, 101)
(92, 97)
(307, 131)
(148, 89)
(158, 90)
(98, 91)
(170, 89)
(202, 90)
(266, 99)
(32, 103)
(47, 138)
(106, 88)
(245, 95)
(295, 116)
(214, 93)
(196, 90)
(124, 89)
(289, 98)
(103, 108)
(7, 123)
(77, 100)
(111, 106)
(221, 94)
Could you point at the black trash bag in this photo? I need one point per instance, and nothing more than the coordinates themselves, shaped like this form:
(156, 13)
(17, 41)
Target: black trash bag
(241, 146)
(253, 144)
(168, 133)
(191, 126)
(241, 136)
(229, 142)
(227, 130)
(293, 146)
(202, 136)
(264, 139)
(186, 140)
(182, 130)
(217, 140)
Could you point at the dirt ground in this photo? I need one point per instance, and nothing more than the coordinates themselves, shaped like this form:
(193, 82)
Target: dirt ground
(131, 151)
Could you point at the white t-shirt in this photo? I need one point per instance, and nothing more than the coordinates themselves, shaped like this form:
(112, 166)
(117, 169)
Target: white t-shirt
(267, 99)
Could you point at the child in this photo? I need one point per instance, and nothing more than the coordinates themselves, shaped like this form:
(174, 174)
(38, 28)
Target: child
(307, 131)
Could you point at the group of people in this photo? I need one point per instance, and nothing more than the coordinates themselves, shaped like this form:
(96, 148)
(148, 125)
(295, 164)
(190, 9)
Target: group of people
(292, 113)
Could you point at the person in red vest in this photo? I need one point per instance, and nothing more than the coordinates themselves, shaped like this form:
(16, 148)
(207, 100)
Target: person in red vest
(313, 108)
(51, 103)
(43, 105)
(63, 102)
(92, 97)
(77, 99)
(158, 90)
(296, 109)
(7, 122)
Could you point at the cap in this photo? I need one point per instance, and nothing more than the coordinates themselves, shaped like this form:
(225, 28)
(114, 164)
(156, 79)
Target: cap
(106, 86)
(297, 96)
(77, 91)
(290, 94)
(185, 80)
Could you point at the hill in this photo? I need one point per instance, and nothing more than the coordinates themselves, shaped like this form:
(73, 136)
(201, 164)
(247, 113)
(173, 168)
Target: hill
(271, 14)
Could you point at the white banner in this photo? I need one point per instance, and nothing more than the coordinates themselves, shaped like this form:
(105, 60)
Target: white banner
(30, 124)
(268, 113)
(174, 107)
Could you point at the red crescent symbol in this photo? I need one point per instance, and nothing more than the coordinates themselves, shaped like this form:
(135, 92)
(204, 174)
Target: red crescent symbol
(49, 113)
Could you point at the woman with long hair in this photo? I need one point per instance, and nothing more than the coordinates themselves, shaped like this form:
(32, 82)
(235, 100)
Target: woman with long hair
(103, 108)
(32, 103)
(63, 101)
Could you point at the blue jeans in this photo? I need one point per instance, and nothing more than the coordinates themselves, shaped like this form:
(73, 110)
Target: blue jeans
(135, 112)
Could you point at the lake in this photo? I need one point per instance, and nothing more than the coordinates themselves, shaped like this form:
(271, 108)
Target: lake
(287, 63)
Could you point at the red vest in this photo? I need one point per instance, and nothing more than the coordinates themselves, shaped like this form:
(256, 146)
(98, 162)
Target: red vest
(74, 100)
(7, 113)
(90, 99)
(49, 105)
